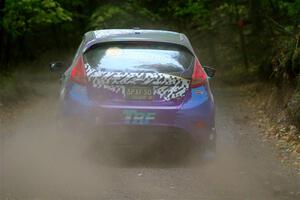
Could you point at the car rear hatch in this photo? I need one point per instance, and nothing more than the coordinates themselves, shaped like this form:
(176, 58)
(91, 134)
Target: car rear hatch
(138, 73)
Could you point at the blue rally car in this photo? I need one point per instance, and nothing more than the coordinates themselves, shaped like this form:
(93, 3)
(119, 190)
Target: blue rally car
(145, 78)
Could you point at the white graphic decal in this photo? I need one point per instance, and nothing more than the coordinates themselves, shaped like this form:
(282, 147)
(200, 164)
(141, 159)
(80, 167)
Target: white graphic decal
(165, 86)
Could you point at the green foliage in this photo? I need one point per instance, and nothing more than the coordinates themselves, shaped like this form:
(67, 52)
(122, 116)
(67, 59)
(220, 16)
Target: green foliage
(267, 29)
(125, 16)
(25, 16)
(192, 9)
(79, 9)
(286, 61)
(291, 8)
(71, 3)
(193, 12)
(107, 16)
(231, 10)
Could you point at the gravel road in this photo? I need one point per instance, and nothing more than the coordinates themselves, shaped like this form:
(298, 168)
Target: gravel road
(39, 161)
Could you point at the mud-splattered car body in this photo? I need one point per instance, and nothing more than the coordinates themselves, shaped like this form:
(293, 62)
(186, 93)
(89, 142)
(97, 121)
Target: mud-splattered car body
(139, 78)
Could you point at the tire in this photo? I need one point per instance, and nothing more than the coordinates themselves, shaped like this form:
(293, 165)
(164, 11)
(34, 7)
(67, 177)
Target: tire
(209, 147)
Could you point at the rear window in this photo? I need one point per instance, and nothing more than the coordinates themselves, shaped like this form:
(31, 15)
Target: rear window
(139, 57)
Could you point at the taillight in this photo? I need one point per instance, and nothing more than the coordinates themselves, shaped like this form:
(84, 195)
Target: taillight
(199, 76)
(78, 74)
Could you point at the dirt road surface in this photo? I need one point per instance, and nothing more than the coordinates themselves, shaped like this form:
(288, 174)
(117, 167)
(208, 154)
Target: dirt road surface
(39, 161)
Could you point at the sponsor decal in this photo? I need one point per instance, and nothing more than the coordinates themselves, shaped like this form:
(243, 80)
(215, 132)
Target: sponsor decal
(138, 117)
(166, 86)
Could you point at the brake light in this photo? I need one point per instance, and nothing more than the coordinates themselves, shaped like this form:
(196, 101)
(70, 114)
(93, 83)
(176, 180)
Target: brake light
(78, 74)
(199, 76)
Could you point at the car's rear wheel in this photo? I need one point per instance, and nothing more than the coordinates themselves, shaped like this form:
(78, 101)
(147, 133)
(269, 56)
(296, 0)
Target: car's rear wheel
(210, 146)
(205, 150)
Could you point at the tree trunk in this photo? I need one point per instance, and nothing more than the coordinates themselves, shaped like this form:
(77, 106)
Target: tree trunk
(256, 17)
(243, 48)
(2, 4)
(274, 6)
(241, 35)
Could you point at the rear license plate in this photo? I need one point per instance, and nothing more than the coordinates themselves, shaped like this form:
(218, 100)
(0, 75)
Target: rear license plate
(139, 93)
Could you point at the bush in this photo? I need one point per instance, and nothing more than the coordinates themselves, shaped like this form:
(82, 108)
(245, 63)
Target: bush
(294, 109)
(25, 16)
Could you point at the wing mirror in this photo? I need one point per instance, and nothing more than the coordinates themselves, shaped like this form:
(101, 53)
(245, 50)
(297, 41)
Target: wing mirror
(57, 66)
(209, 71)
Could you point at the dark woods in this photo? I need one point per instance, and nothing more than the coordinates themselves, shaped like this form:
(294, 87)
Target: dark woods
(2, 3)
(253, 39)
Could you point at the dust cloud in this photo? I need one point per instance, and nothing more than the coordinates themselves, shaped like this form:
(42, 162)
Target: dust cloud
(41, 158)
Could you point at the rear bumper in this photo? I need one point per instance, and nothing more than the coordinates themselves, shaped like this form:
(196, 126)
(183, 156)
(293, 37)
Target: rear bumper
(195, 116)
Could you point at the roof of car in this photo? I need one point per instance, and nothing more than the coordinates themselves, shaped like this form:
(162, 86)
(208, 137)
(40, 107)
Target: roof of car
(117, 35)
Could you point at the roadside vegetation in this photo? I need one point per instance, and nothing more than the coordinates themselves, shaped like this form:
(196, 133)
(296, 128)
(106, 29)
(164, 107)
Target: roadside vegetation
(249, 41)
